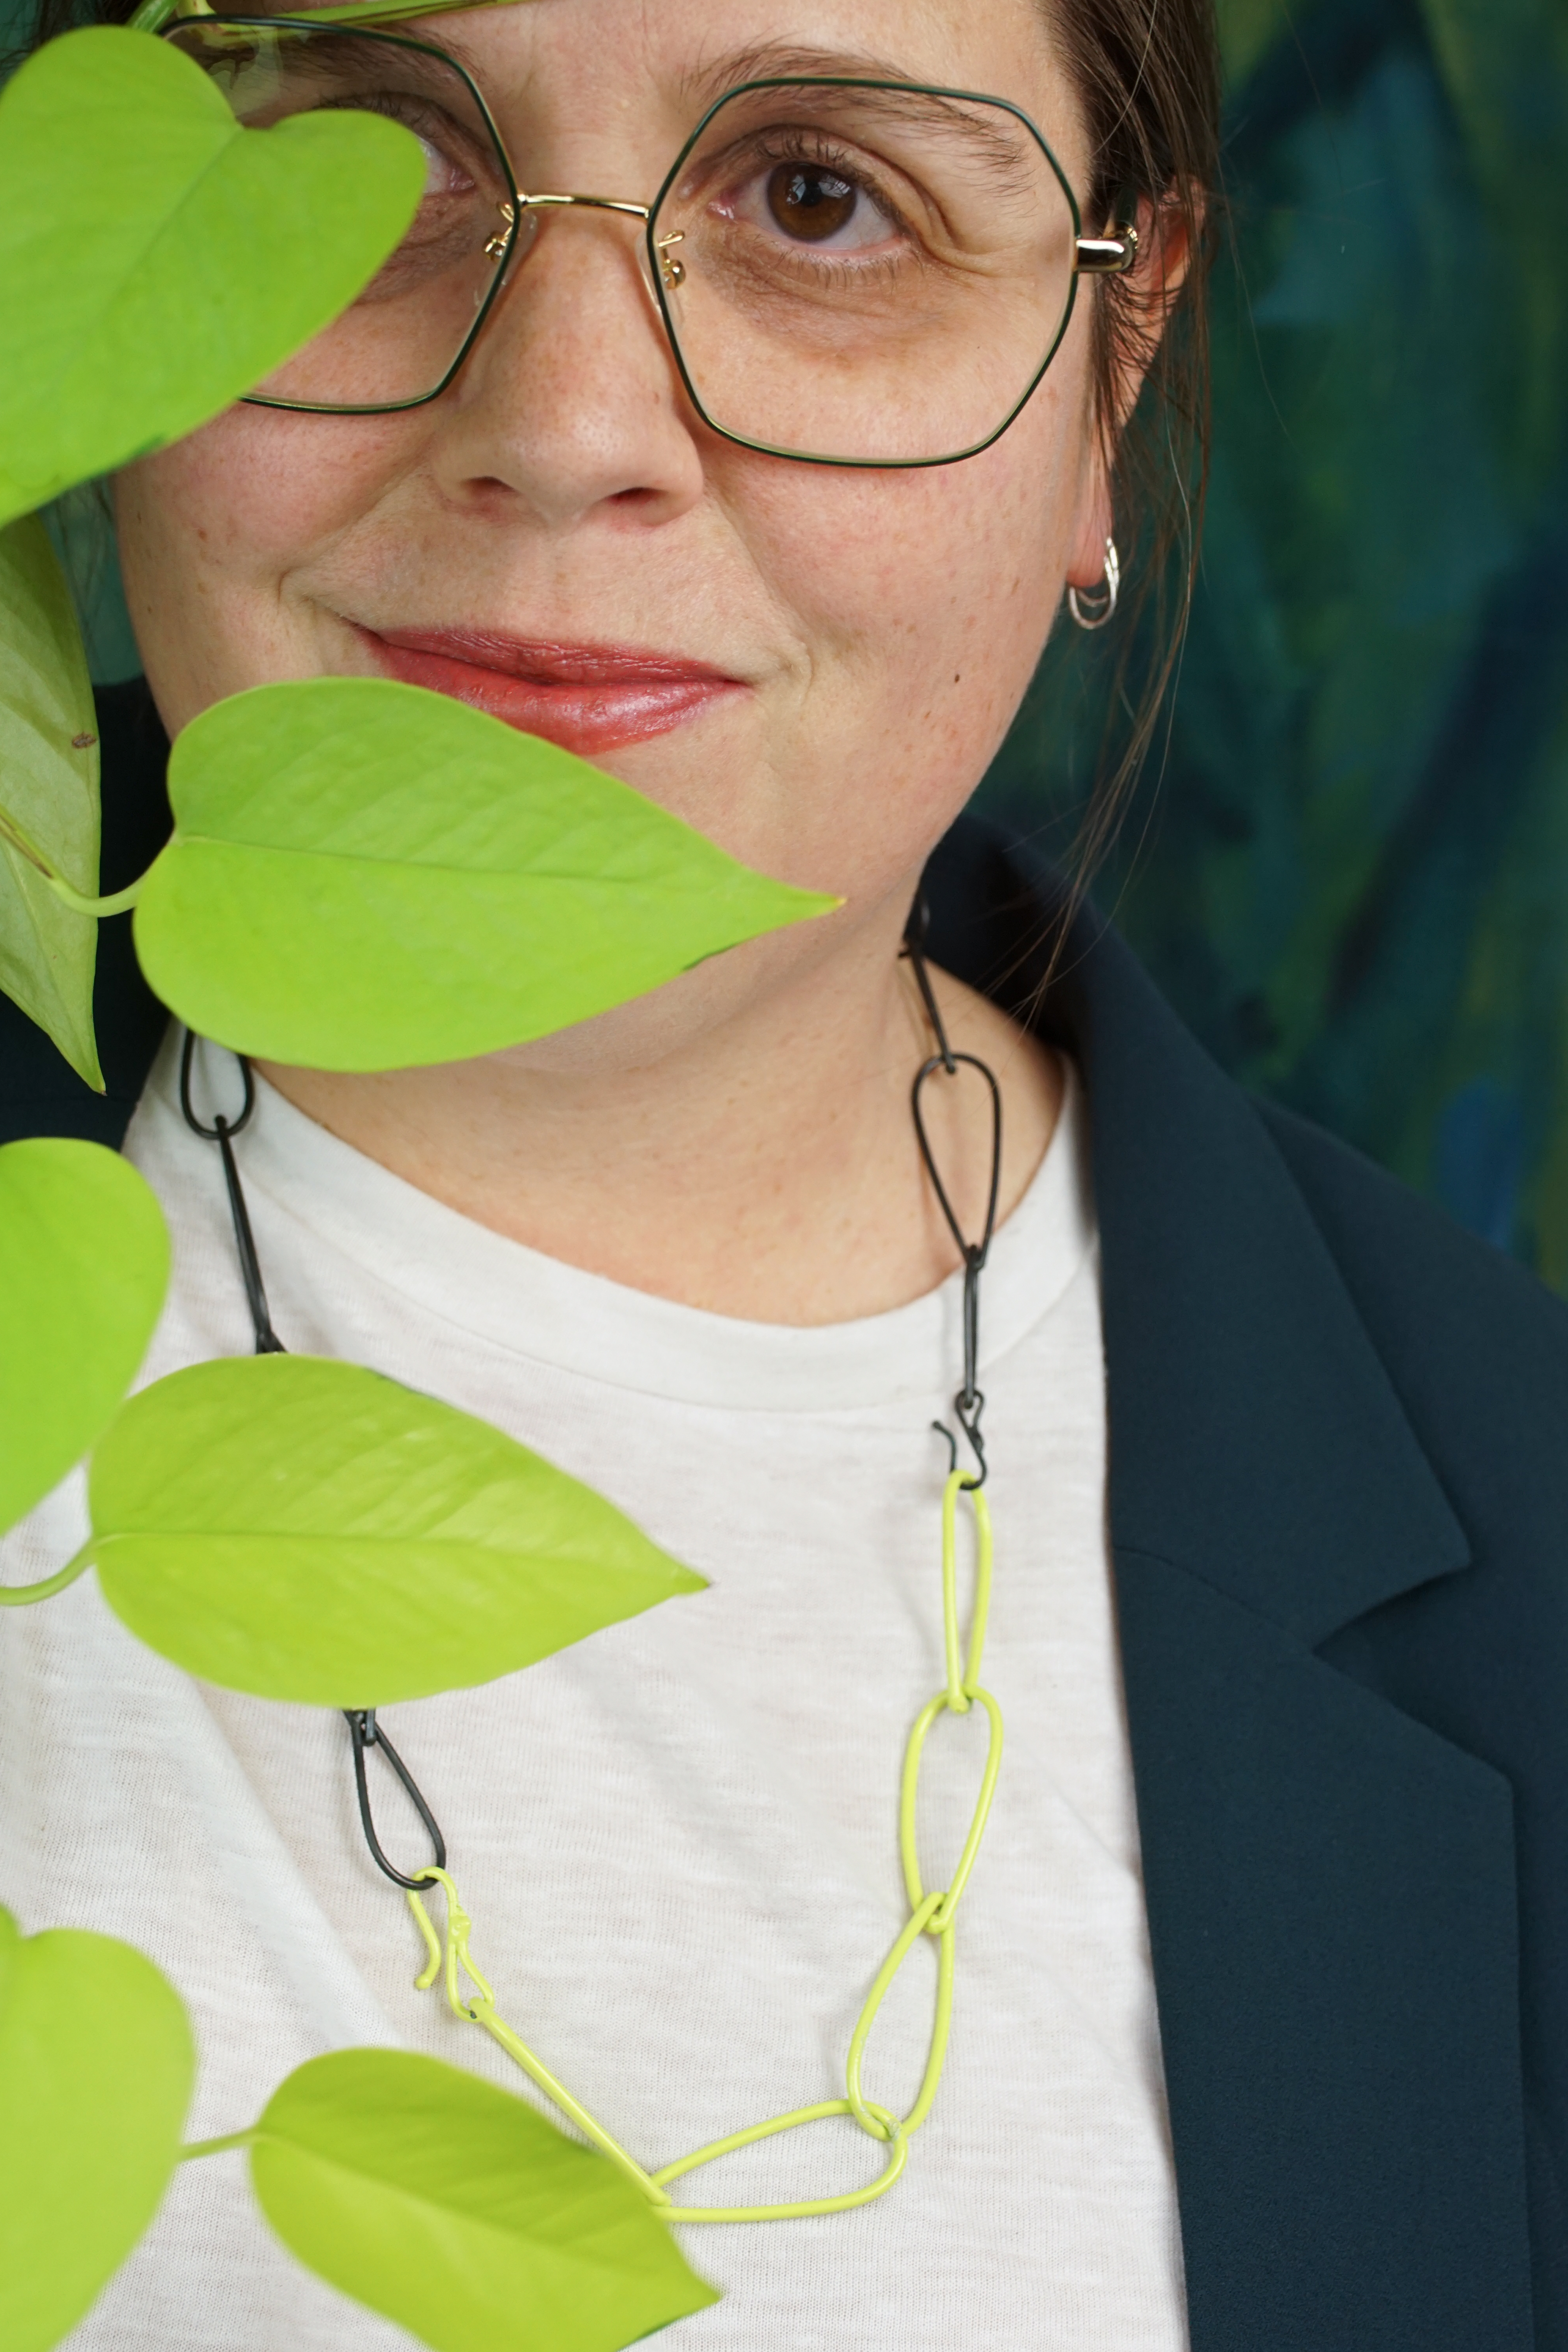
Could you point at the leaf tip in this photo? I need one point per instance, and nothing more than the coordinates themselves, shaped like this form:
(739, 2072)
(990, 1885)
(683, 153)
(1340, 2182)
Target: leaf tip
(806, 905)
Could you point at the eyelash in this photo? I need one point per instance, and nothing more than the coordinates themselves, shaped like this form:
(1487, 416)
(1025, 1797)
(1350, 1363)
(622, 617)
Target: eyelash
(816, 147)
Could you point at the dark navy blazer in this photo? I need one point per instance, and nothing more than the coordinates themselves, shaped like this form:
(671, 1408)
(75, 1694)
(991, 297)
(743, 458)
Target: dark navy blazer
(1339, 1508)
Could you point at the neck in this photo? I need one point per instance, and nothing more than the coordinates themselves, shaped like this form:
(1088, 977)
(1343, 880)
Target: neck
(762, 1164)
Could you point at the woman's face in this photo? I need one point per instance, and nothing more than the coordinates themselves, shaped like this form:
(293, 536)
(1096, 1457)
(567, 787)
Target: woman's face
(861, 639)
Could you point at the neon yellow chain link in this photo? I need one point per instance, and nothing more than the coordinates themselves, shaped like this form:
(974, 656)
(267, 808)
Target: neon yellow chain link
(929, 1914)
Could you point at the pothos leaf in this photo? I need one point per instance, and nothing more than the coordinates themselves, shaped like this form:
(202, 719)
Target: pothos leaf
(156, 260)
(462, 2213)
(96, 2067)
(48, 786)
(365, 875)
(84, 1264)
(306, 1530)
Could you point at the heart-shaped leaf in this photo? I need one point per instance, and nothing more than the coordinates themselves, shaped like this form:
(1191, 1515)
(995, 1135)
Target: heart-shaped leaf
(156, 260)
(84, 1264)
(96, 2066)
(308, 1530)
(48, 786)
(460, 2213)
(365, 875)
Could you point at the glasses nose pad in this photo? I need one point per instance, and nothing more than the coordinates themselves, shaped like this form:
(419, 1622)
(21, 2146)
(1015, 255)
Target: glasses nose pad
(528, 229)
(658, 250)
(645, 274)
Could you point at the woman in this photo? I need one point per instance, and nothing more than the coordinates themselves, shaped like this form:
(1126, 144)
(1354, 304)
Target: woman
(1260, 2028)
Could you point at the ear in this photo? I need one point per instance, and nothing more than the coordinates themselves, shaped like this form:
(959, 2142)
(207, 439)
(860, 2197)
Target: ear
(1140, 307)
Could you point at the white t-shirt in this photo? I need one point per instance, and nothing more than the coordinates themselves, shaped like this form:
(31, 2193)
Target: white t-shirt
(678, 1840)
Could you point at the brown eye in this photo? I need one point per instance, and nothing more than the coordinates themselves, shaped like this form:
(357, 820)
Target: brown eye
(808, 202)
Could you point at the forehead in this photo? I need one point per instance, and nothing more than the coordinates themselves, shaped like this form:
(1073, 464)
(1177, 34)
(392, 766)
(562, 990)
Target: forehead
(602, 59)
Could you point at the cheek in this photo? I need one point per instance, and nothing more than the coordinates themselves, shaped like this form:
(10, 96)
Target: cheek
(924, 599)
(212, 531)
(902, 569)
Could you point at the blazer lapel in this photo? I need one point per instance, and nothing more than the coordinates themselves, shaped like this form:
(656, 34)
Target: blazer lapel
(1330, 1884)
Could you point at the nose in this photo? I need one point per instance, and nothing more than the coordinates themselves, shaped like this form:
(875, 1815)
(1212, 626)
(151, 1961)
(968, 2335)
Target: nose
(570, 403)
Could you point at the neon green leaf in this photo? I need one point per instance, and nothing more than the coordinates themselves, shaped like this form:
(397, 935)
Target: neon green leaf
(365, 875)
(156, 260)
(48, 786)
(308, 1530)
(96, 2066)
(460, 2213)
(84, 1264)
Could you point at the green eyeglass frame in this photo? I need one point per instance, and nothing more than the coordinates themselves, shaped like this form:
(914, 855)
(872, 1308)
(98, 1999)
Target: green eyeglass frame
(1112, 254)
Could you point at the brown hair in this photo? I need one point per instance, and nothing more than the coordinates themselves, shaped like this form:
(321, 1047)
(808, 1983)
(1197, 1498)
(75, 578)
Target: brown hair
(1147, 75)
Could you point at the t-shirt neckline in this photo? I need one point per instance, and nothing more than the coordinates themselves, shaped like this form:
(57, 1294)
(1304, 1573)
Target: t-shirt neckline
(528, 1305)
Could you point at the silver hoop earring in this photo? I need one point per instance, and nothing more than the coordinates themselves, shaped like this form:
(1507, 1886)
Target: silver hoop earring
(1106, 597)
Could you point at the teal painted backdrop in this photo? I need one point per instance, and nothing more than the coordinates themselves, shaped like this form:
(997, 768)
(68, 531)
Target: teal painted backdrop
(1352, 877)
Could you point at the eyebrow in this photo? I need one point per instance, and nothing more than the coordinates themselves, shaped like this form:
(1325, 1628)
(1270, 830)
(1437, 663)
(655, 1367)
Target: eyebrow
(762, 61)
(789, 62)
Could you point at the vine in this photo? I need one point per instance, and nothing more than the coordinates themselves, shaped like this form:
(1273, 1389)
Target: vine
(362, 876)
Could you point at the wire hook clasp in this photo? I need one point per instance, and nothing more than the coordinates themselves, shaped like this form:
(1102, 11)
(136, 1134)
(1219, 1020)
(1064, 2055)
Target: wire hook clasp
(365, 1732)
(454, 1955)
(222, 1132)
(970, 1402)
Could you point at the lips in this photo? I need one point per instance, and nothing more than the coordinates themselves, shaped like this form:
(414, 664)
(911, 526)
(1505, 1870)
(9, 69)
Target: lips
(587, 699)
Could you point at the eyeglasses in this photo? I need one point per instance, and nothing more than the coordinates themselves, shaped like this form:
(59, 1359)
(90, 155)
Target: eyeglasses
(850, 272)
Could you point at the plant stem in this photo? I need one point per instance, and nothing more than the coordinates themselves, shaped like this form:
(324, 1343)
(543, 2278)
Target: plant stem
(216, 2147)
(116, 903)
(20, 1596)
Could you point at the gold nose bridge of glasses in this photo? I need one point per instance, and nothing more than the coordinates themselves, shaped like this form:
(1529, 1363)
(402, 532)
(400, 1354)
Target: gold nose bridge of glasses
(1095, 257)
(672, 270)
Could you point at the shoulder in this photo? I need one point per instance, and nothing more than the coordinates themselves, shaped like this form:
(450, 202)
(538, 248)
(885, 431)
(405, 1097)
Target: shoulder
(1475, 1346)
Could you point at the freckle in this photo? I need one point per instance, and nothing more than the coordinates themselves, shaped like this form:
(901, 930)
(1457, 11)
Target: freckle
(954, 678)
(83, 742)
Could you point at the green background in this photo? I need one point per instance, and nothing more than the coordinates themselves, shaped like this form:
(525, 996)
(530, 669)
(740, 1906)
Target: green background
(1348, 864)
(1351, 876)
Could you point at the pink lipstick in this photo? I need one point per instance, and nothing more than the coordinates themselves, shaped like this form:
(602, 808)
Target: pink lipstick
(587, 699)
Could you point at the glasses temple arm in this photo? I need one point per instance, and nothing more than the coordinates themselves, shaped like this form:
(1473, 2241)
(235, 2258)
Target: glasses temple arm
(1116, 252)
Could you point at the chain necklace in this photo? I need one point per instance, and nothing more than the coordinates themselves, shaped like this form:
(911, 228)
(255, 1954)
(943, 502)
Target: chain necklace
(931, 1914)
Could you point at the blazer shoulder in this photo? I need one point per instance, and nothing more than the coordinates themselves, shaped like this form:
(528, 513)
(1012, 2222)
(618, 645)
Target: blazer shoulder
(1475, 1344)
